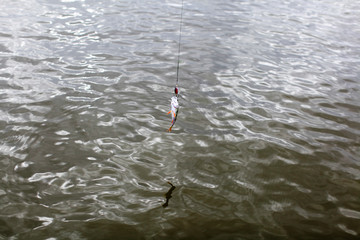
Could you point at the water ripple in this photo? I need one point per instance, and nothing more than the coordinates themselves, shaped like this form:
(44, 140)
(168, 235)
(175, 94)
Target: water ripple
(266, 143)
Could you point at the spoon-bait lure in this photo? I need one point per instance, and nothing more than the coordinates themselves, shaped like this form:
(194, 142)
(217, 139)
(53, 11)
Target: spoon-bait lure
(174, 108)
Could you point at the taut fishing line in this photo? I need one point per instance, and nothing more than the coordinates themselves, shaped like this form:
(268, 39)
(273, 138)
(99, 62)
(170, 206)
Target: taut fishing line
(179, 49)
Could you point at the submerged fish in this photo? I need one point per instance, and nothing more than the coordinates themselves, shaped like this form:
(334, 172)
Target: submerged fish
(174, 108)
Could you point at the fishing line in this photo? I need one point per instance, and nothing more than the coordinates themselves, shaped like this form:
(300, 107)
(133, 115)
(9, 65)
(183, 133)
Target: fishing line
(179, 49)
(174, 107)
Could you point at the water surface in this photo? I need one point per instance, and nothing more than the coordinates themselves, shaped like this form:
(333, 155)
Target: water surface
(266, 145)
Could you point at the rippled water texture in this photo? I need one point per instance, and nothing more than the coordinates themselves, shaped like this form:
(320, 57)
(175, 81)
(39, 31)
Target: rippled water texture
(266, 145)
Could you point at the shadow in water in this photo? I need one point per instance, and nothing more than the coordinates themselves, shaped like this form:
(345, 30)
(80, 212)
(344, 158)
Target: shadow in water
(168, 195)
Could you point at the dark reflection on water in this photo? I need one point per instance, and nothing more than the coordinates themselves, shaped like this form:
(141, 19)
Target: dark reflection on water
(266, 145)
(168, 195)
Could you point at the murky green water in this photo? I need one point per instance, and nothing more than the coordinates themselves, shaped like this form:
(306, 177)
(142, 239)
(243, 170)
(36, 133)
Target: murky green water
(266, 145)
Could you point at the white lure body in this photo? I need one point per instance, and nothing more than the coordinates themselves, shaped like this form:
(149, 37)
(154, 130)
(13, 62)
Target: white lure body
(174, 109)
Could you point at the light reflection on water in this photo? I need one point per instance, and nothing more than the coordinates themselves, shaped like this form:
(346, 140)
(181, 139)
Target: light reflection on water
(266, 144)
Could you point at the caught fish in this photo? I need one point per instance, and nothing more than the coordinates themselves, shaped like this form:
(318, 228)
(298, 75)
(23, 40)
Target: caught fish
(174, 108)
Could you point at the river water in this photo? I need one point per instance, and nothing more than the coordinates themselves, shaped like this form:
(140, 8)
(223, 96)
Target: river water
(266, 145)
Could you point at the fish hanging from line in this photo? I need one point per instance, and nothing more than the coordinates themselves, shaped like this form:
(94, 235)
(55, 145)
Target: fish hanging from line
(174, 108)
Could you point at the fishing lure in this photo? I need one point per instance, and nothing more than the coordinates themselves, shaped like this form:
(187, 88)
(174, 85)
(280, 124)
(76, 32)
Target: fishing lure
(174, 108)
